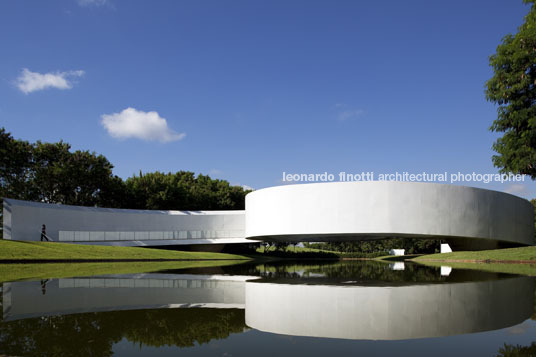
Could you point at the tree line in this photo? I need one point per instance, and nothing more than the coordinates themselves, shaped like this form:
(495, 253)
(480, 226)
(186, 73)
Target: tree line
(410, 245)
(53, 173)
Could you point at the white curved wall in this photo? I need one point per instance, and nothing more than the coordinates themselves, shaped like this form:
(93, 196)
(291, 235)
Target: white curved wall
(108, 226)
(325, 211)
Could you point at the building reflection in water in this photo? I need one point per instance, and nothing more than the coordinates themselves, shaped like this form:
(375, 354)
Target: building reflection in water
(344, 301)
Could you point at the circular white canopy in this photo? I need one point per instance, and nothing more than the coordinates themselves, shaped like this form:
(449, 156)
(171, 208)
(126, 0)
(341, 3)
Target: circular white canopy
(382, 209)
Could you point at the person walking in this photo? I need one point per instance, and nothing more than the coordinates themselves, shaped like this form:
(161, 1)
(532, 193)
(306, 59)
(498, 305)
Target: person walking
(44, 233)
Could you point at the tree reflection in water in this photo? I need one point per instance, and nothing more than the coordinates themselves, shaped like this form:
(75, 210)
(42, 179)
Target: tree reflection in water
(93, 334)
(517, 350)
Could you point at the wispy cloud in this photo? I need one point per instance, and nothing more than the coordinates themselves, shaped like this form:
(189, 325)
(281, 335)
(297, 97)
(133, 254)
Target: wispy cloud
(132, 123)
(93, 2)
(29, 81)
(345, 112)
(350, 114)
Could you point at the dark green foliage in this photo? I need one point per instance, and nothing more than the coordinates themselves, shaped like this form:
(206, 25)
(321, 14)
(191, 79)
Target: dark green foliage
(15, 164)
(15, 161)
(77, 178)
(517, 350)
(50, 172)
(411, 246)
(513, 88)
(182, 191)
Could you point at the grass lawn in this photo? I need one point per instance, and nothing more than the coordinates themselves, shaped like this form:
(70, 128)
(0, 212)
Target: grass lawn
(521, 269)
(523, 254)
(512, 260)
(28, 251)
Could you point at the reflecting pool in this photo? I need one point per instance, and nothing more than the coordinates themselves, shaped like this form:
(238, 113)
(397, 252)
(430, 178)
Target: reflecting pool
(267, 309)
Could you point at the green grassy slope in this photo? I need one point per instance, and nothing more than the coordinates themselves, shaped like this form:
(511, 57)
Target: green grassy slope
(521, 269)
(510, 254)
(18, 250)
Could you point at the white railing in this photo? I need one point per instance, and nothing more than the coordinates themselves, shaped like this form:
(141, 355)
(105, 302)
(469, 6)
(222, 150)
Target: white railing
(102, 236)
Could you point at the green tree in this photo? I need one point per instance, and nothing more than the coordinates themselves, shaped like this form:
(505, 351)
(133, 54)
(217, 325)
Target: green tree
(182, 191)
(513, 88)
(77, 178)
(15, 165)
(411, 245)
(50, 172)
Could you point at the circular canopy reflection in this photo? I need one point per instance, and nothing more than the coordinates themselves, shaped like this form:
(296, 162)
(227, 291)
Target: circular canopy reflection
(388, 312)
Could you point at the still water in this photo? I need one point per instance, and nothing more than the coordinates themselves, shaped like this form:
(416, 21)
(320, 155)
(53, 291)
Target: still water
(316, 309)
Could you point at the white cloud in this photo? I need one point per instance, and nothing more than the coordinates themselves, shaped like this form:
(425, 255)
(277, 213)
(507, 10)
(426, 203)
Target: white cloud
(92, 2)
(132, 123)
(518, 189)
(350, 114)
(30, 81)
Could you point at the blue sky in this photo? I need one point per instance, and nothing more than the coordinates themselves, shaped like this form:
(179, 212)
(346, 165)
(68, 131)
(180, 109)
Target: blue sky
(246, 90)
